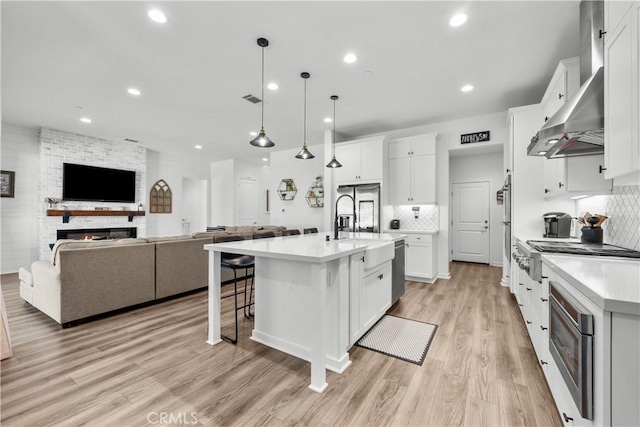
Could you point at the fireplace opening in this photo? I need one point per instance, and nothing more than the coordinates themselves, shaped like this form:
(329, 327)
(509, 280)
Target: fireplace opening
(97, 233)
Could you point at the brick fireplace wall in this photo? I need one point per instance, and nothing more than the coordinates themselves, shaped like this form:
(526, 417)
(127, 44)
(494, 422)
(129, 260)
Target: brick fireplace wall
(57, 147)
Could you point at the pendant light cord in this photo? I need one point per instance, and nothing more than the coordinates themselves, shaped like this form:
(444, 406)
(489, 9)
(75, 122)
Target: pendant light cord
(262, 106)
(333, 143)
(304, 140)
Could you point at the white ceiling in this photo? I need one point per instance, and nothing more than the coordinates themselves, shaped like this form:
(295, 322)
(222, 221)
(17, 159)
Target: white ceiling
(58, 57)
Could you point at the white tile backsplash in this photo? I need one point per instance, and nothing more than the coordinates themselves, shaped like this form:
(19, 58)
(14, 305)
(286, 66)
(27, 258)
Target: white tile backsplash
(428, 217)
(623, 209)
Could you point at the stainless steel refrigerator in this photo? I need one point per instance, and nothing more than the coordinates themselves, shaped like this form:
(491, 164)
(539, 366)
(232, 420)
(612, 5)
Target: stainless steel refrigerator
(367, 207)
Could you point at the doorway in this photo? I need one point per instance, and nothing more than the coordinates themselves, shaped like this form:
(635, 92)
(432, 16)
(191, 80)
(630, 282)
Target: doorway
(470, 222)
(194, 205)
(247, 202)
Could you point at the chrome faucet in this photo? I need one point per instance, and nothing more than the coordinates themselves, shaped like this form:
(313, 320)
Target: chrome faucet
(335, 222)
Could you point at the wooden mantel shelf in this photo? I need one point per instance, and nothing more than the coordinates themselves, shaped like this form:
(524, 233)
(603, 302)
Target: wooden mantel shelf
(66, 214)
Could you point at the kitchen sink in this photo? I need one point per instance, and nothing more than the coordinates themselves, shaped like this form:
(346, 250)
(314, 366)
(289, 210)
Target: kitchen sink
(377, 252)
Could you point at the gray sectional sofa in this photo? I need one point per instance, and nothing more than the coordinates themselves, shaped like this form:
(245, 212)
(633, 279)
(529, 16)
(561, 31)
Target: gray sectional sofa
(85, 279)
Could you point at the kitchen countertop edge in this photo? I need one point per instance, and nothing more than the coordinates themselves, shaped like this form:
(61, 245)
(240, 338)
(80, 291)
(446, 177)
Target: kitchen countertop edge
(612, 304)
(404, 231)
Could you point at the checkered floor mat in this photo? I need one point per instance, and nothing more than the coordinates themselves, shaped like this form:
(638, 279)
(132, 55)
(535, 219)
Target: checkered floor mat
(401, 338)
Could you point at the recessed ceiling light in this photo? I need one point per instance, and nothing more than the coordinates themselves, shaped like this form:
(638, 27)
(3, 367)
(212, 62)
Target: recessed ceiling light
(264, 159)
(328, 119)
(134, 91)
(368, 73)
(458, 20)
(350, 58)
(272, 86)
(466, 88)
(253, 133)
(157, 16)
(85, 120)
(198, 147)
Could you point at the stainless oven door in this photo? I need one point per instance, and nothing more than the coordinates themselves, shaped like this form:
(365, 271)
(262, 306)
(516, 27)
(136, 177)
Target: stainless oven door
(571, 346)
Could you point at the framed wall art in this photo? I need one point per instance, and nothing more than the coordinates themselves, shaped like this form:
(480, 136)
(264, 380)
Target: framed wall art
(7, 183)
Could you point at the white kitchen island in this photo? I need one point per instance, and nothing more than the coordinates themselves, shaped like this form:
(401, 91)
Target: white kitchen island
(302, 293)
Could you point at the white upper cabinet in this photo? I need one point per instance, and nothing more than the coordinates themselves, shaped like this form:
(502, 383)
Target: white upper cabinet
(362, 161)
(622, 92)
(575, 176)
(412, 170)
(564, 83)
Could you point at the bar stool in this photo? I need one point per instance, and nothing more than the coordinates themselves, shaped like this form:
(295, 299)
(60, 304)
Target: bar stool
(236, 262)
(310, 230)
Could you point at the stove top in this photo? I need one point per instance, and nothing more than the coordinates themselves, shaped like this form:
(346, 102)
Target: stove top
(583, 249)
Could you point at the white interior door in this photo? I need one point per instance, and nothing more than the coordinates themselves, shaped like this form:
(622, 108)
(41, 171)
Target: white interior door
(194, 205)
(247, 202)
(470, 228)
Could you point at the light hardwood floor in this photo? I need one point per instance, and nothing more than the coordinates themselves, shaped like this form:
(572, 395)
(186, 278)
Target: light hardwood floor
(128, 369)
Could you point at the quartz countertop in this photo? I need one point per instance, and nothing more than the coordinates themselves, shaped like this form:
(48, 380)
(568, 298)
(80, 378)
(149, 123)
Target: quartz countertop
(405, 231)
(613, 284)
(307, 247)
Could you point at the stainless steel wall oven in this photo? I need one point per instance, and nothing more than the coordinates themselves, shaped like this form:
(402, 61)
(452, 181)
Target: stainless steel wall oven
(571, 346)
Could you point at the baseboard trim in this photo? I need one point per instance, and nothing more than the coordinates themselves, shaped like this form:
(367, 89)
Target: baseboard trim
(331, 363)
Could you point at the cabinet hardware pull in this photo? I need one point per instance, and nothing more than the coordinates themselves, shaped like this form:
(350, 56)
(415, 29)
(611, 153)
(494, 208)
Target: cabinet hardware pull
(543, 328)
(528, 289)
(542, 362)
(546, 118)
(544, 277)
(508, 170)
(566, 418)
(528, 323)
(560, 185)
(600, 169)
(544, 299)
(560, 96)
(521, 284)
(362, 259)
(546, 190)
(601, 33)
(521, 305)
(380, 276)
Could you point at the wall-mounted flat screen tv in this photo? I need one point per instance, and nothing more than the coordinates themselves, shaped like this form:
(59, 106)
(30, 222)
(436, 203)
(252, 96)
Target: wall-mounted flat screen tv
(95, 184)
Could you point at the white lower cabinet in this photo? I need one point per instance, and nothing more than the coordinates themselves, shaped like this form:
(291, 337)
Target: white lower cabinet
(420, 258)
(369, 296)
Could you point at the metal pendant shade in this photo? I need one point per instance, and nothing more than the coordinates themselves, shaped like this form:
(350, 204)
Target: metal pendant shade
(334, 163)
(262, 140)
(305, 154)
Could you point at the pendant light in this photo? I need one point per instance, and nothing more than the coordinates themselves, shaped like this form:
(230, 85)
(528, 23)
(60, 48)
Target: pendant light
(262, 140)
(305, 154)
(334, 163)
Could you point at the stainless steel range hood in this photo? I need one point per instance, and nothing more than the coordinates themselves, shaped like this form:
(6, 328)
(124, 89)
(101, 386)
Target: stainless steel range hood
(577, 129)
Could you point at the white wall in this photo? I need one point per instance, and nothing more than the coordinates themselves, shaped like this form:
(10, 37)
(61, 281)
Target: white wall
(296, 213)
(19, 215)
(484, 167)
(172, 169)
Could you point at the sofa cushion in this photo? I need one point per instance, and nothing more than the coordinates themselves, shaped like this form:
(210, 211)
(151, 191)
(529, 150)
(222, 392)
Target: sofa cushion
(81, 244)
(209, 234)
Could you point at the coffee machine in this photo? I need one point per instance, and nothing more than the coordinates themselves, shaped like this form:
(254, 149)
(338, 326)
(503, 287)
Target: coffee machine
(557, 225)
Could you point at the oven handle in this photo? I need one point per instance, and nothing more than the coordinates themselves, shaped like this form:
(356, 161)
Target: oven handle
(583, 322)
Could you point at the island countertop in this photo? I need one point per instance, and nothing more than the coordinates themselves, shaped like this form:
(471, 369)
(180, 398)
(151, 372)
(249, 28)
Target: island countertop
(306, 247)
